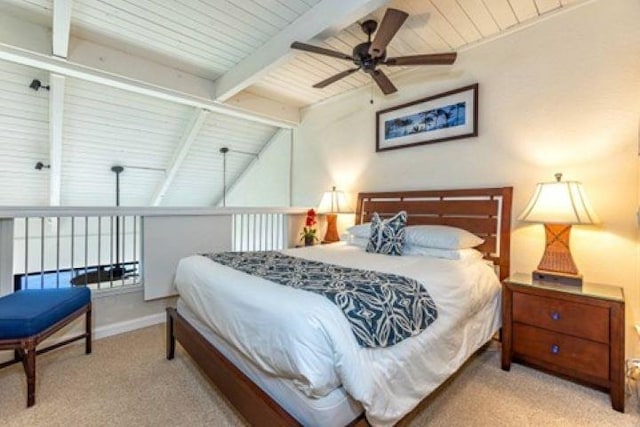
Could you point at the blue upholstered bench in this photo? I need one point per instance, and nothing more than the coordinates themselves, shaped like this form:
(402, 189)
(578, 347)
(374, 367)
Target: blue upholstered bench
(30, 316)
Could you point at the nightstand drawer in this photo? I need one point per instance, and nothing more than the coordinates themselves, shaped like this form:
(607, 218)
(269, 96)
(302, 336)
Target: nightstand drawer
(562, 351)
(580, 320)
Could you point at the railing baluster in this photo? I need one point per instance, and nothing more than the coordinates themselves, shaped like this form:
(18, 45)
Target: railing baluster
(73, 245)
(274, 232)
(86, 249)
(265, 231)
(111, 252)
(124, 244)
(26, 253)
(237, 235)
(274, 226)
(42, 252)
(57, 252)
(136, 264)
(99, 251)
(255, 232)
(245, 230)
(259, 236)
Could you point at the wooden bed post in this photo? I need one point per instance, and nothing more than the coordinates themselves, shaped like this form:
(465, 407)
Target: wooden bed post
(171, 339)
(255, 405)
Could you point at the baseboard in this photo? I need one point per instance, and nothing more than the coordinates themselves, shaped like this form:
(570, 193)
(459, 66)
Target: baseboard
(128, 325)
(102, 331)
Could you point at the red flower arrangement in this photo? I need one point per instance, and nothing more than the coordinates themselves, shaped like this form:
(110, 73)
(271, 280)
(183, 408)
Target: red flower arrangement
(308, 232)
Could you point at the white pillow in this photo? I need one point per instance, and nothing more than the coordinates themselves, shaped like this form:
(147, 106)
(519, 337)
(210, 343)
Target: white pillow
(456, 254)
(360, 242)
(441, 237)
(360, 230)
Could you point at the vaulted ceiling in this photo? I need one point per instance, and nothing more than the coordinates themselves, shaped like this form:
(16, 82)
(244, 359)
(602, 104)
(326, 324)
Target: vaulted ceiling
(136, 75)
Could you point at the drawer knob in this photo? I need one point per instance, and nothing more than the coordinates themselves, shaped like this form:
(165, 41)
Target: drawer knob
(555, 315)
(555, 349)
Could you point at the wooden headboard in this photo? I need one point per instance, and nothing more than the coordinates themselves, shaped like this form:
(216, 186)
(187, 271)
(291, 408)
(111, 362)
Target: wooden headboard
(485, 212)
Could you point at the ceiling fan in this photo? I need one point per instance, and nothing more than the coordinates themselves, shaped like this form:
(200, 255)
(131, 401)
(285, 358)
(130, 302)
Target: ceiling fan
(368, 55)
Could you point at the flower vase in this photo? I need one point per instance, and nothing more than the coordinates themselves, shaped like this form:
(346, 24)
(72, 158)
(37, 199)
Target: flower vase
(308, 240)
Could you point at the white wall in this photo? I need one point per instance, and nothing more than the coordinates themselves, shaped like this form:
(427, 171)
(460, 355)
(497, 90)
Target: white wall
(267, 180)
(560, 96)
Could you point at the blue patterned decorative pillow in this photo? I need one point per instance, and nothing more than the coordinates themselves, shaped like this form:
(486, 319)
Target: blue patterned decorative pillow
(374, 233)
(387, 237)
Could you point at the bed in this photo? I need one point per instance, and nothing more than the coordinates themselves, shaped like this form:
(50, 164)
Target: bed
(331, 381)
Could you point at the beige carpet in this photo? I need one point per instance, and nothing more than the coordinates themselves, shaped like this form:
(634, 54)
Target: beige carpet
(127, 381)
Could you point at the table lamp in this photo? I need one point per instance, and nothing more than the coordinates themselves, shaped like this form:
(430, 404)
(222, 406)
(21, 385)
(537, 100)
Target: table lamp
(333, 203)
(558, 205)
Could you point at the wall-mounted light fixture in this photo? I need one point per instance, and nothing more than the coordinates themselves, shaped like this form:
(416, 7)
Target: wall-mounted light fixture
(39, 166)
(37, 85)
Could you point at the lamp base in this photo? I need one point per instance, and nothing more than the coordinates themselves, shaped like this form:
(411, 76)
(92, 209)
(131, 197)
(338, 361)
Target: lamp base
(557, 254)
(331, 235)
(555, 277)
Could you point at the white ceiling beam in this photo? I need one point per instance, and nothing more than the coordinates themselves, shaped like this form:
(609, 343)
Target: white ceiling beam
(188, 137)
(66, 68)
(326, 16)
(246, 100)
(61, 27)
(56, 119)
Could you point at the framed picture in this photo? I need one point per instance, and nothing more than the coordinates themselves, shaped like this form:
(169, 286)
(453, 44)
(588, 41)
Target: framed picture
(443, 117)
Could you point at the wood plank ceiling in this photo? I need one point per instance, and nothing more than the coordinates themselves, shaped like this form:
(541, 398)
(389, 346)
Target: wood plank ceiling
(433, 26)
(104, 126)
(209, 37)
(203, 37)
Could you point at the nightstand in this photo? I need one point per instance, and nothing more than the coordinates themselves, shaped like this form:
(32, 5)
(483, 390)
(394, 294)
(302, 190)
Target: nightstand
(576, 332)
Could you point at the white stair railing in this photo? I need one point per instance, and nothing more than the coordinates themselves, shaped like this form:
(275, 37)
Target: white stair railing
(107, 248)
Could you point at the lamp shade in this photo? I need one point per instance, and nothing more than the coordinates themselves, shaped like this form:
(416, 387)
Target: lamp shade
(334, 201)
(559, 202)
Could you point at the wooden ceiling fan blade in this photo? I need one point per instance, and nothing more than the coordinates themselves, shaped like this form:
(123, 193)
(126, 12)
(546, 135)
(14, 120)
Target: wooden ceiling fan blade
(431, 59)
(335, 78)
(383, 82)
(391, 23)
(322, 51)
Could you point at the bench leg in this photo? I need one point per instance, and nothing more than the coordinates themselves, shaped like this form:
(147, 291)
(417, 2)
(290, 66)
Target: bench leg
(30, 370)
(87, 324)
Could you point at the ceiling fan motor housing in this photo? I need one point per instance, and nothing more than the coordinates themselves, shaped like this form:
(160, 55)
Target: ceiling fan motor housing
(362, 58)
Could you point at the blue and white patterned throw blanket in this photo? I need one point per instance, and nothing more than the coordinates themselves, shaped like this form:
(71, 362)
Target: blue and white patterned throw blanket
(382, 308)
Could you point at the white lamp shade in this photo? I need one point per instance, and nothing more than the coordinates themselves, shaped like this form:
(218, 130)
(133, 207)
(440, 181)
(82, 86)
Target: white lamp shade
(334, 201)
(560, 202)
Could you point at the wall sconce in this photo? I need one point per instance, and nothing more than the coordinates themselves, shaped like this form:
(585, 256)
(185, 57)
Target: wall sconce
(37, 85)
(558, 205)
(39, 166)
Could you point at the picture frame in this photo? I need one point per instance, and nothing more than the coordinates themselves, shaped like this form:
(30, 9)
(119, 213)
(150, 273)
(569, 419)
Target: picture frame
(443, 117)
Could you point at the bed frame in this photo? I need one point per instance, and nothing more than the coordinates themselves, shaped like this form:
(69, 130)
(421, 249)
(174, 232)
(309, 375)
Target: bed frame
(485, 212)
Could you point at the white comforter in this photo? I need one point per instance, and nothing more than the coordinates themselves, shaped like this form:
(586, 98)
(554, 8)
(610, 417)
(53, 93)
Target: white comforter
(302, 336)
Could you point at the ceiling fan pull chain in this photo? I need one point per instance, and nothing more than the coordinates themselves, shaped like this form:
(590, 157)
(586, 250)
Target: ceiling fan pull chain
(371, 90)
